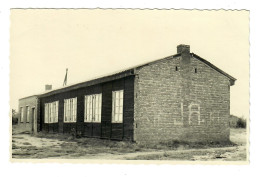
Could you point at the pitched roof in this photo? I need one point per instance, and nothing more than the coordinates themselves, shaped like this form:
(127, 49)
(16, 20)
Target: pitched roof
(117, 75)
(128, 72)
(231, 79)
(35, 95)
(107, 78)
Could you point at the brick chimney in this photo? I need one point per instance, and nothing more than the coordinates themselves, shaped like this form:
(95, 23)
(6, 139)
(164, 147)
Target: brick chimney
(48, 87)
(183, 48)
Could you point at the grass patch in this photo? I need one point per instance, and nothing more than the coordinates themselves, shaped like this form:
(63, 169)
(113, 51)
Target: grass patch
(21, 154)
(26, 143)
(15, 146)
(175, 144)
(17, 137)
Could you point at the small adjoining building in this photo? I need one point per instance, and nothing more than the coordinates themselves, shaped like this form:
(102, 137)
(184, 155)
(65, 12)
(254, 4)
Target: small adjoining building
(27, 116)
(27, 113)
(181, 97)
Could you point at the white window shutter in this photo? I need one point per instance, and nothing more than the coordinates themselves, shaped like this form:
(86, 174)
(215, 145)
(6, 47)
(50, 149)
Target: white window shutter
(117, 106)
(45, 113)
(113, 106)
(50, 112)
(100, 106)
(85, 108)
(64, 110)
(57, 111)
(75, 119)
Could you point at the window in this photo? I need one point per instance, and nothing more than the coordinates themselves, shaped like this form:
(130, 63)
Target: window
(51, 112)
(195, 70)
(117, 106)
(93, 108)
(27, 114)
(22, 114)
(176, 68)
(70, 110)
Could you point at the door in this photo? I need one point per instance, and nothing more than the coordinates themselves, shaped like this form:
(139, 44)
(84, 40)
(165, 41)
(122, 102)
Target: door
(33, 119)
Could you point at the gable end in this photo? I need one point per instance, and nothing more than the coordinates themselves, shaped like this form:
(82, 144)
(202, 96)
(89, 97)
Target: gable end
(231, 79)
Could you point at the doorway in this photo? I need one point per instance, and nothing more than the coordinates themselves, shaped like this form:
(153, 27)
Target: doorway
(33, 119)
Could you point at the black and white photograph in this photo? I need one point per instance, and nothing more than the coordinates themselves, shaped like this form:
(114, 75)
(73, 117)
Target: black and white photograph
(129, 85)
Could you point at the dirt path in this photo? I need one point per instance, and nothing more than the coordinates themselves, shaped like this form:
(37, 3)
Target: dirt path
(25, 140)
(27, 146)
(212, 154)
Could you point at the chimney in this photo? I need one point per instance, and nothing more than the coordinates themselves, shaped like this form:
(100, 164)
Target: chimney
(183, 49)
(48, 87)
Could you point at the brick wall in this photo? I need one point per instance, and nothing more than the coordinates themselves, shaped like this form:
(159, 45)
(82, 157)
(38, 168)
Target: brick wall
(30, 103)
(157, 100)
(178, 104)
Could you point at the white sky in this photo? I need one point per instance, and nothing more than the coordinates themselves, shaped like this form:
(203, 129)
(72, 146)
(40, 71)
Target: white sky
(91, 43)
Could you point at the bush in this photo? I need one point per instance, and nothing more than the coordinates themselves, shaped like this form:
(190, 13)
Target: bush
(14, 120)
(241, 123)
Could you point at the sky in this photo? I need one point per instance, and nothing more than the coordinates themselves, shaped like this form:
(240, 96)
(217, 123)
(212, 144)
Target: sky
(92, 43)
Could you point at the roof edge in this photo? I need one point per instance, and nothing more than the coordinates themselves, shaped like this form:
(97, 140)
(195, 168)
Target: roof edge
(28, 97)
(99, 80)
(106, 78)
(125, 73)
(231, 78)
(158, 60)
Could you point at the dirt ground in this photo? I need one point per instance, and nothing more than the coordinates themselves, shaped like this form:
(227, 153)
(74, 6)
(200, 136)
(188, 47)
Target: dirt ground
(55, 146)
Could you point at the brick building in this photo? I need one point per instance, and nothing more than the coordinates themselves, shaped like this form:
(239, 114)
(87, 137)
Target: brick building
(27, 116)
(27, 113)
(180, 97)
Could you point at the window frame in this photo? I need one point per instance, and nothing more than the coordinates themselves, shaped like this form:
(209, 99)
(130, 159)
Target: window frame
(70, 110)
(51, 112)
(22, 115)
(27, 118)
(117, 106)
(93, 108)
